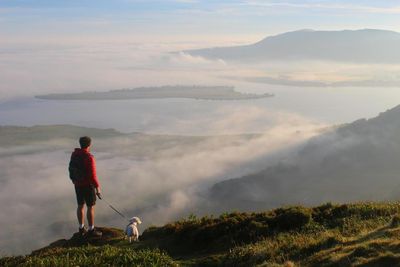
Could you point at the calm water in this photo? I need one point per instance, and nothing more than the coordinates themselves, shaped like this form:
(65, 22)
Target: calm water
(187, 116)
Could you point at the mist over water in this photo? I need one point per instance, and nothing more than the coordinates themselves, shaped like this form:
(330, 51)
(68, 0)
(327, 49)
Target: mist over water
(193, 117)
(156, 178)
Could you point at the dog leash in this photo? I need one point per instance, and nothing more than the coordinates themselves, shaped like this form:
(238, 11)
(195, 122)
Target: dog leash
(112, 207)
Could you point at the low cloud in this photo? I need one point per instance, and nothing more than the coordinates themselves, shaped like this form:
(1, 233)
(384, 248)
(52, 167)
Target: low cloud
(356, 162)
(45, 66)
(159, 178)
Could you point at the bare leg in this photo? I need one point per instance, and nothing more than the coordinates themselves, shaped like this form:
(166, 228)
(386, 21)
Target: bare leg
(90, 215)
(79, 213)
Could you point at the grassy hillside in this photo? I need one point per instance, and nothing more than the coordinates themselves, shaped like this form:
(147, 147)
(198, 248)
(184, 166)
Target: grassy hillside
(362, 234)
(354, 162)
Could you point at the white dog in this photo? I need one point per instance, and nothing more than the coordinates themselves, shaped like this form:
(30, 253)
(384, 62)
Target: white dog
(131, 230)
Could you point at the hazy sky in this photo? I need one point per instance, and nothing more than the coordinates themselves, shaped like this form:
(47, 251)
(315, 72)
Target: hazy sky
(75, 45)
(191, 19)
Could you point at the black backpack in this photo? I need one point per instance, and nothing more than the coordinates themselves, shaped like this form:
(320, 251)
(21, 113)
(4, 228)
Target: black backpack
(77, 169)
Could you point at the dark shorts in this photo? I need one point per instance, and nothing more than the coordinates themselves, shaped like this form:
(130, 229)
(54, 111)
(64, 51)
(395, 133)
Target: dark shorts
(85, 195)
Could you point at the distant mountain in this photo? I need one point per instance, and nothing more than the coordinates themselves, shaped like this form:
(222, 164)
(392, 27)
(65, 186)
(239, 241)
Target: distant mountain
(357, 46)
(359, 161)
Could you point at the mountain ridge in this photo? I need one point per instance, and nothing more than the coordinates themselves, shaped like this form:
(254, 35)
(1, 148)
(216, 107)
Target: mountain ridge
(366, 46)
(341, 165)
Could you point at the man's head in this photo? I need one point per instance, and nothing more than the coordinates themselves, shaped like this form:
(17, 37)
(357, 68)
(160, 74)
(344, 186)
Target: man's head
(85, 141)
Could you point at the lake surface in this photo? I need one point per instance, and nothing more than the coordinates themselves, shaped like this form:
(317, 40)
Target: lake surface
(204, 117)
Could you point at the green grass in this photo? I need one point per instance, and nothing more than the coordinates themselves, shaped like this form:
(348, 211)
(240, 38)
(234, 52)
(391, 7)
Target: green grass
(360, 234)
(93, 256)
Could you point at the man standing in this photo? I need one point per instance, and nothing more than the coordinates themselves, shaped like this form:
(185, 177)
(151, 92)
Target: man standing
(82, 168)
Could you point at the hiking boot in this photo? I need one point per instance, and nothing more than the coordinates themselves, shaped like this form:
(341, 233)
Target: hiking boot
(82, 231)
(94, 233)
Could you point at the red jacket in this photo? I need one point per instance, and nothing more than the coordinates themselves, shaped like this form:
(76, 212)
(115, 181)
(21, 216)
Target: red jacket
(90, 165)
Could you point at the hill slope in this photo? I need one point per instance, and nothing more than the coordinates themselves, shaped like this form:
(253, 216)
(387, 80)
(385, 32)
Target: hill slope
(359, 46)
(363, 234)
(355, 162)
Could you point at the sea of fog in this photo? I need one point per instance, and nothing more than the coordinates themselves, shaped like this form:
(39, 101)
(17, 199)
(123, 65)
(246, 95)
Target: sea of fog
(159, 180)
(156, 178)
(206, 117)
